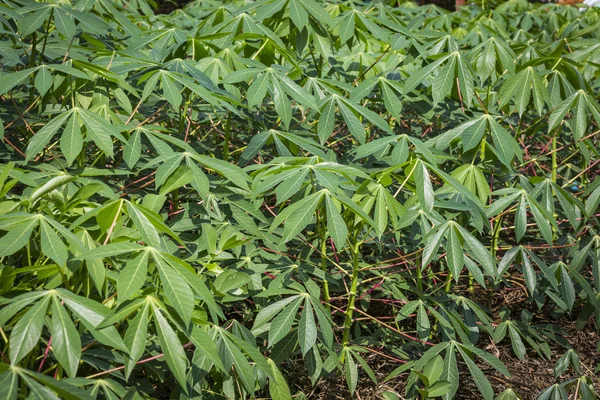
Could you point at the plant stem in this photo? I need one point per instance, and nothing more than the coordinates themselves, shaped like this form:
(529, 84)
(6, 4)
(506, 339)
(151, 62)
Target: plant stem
(554, 160)
(419, 272)
(46, 37)
(326, 295)
(352, 294)
(227, 136)
(448, 285)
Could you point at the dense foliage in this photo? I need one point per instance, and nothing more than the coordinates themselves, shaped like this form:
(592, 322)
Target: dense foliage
(247, 199)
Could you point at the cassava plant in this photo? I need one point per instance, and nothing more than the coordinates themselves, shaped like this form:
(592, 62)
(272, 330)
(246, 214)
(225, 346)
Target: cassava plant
(294, 199)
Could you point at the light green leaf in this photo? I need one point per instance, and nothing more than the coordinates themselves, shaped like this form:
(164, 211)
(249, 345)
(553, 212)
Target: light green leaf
(335, 223)
(174, 353)
(71, 141)
(282, 324)
(132, 277)
(52, 246)
(27, 331)
(424, 187)
(177, 291)
(135, 338)
(307, 329)
(17, 237)
(66, 343)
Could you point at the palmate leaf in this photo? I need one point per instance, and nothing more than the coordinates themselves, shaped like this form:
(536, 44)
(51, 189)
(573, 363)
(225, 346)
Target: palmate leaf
(481, 381)
(66, 343)
(335, 223)
(473, 132)
(41, 386)
(71, 141)
(232, 356)
(307, 328)
(27, 331)
(269, 312)
(176, 289)
(44, 135)
(52, 246)
(375, 130)
(17, 237)
(521, 88)
(493, 55)
(582, 107)
(174, 353)
(91, 314)
(472, 177)
(282, 323)
(132, 277)
(423, 186)
(10, 81)
(135, 338)
(456, 73)
(298, 215)
(278, 388)
(350, 112)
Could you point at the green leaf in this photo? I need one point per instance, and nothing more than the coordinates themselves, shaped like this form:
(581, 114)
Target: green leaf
(135, 338)
(269, 312)
(204, 343)
(278, 388)
(111, 250)
(182, 176)
(71, 141)
(297, 216)
(423, 324)
(43, 80)
(91, 314)
(174, 353)
(258, 89)
(346, 27)
(99, 131)
(353, 123)
(145, 227)
(351, 372)
(479, 378)
(335, 223)
(504, 143)
(444, 81)
(282, 324)
(34, 21)
(64, 23)
(424, 187)
(27, 331)
(39, 141)
(291, 185)
(17, 237)
(18, 303)
(517, 343)
(9, 385)
(454, 254)
(439, 389)
(433, 369)
(307, 329)
(66, 343)
(298, 14)
(171, 91)
(14, 79)
(177, 291)
(132, 277)
(65, 390)
(52, 246)
(326, 121)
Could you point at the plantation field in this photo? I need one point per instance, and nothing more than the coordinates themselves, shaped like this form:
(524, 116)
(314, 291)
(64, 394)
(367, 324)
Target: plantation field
(296, 199)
